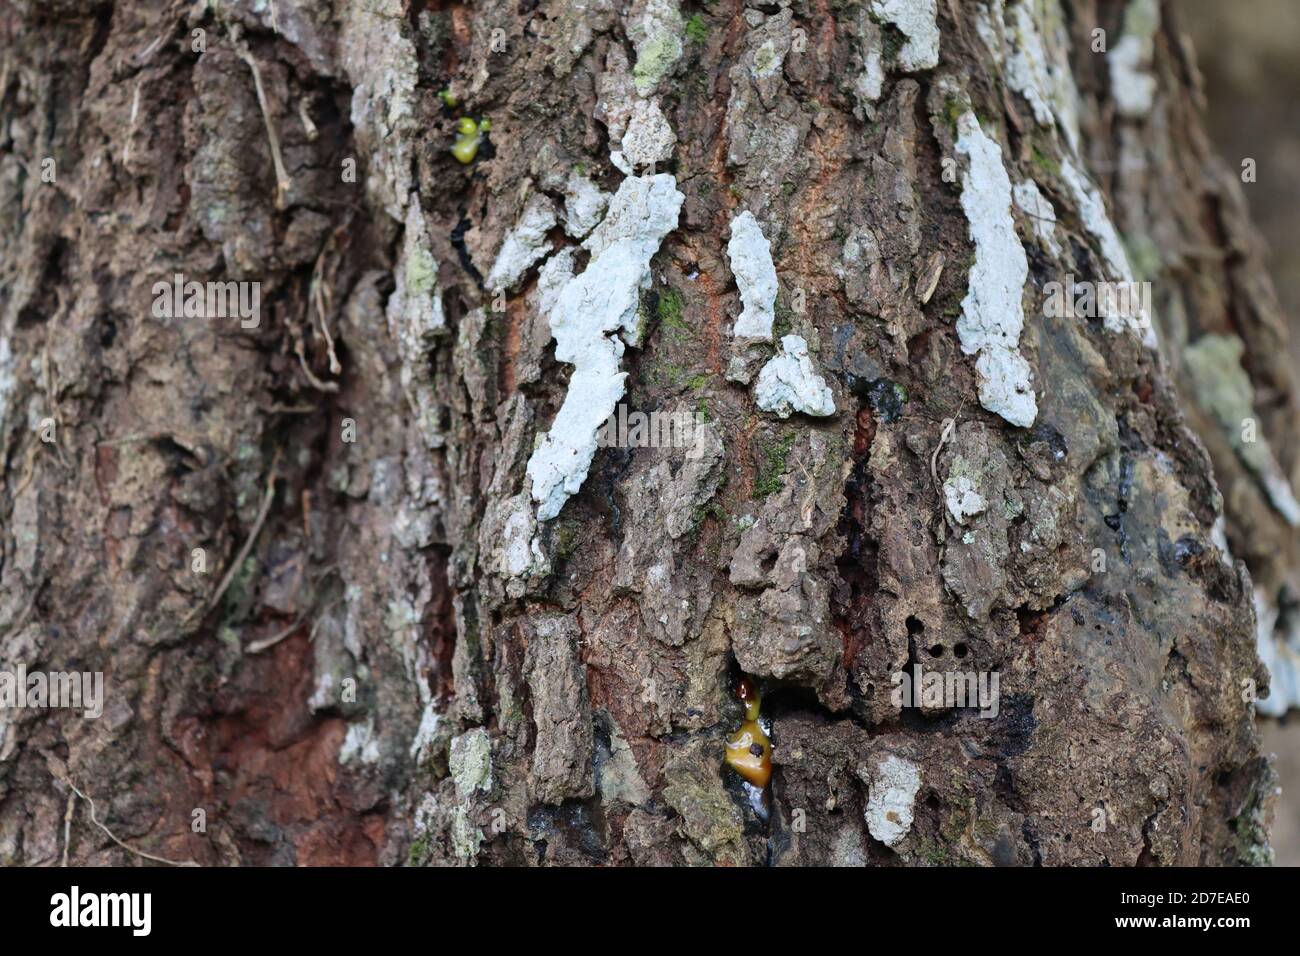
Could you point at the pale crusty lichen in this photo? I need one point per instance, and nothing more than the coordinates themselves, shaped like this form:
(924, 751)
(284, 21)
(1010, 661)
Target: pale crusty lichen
(1037, 64)
(1224, 390)
(604, 299)
(416, 320)
(1092, 210)
(993, 310)
(1042, 217)
(655, 28)
(789, 383)
(1131, 83)
(524, 244)
(380, 60)
(649, 138)
(751, 263)
(1027, 64)
(891, 798)
(1279, 652)
(962, 497)
(918, 21)
(584, 205)
(988, 26)
(470, 762)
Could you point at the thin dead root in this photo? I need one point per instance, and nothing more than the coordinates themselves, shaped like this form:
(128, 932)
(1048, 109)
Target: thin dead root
(111, 835)
(67, 826)
(320, 298)
(948, 425)
(242, 556)
(281, 175)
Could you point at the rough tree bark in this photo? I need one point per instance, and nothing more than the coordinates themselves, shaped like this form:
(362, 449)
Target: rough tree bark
(416, 631)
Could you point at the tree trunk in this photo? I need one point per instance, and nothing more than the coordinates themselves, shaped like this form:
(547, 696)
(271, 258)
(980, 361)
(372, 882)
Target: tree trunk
(367, 581)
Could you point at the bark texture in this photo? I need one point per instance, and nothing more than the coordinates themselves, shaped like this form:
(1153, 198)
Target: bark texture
(395, 653)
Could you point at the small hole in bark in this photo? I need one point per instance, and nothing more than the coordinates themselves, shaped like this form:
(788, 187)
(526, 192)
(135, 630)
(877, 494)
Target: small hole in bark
(936, 650)
(959, 650)
(914, 626)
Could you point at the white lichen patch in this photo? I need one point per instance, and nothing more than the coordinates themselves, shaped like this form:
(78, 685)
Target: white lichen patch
(649, 138)
(415, 315)
(963, 498)
(789, 383)
(1041, 215)
(604, 299)
(426, 734)
(555, 273)
(1027, 64)
(751, 263)
(644, 210)
(6, 376)
(891, 797)
(1038, 65)
(616, 93)
(869, 80)
(584, 205)
(470, 762)
(416, 320)
(521, 554)
(918, 21)
(1092, 211)
(988, 27)
(768, 58)
(383, 67)
(1279, 651)
(993, 310)
(466, 837)
(524, 244)
(655, 28)
(1131, 83)
(1224, 390)
(360, 744)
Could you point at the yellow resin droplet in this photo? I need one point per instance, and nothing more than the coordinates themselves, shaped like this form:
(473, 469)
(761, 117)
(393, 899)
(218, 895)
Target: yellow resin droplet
(749, 752)
(465, 148)
(469, 135)
(754, 767)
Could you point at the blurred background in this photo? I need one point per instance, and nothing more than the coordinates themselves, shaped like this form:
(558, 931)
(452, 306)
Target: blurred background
(1249, 54)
